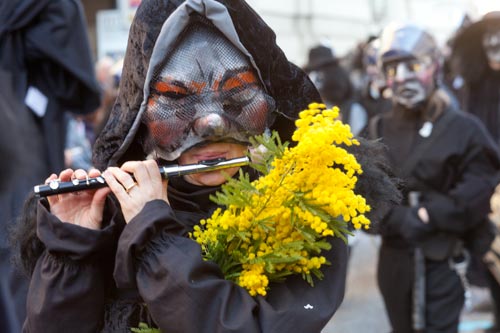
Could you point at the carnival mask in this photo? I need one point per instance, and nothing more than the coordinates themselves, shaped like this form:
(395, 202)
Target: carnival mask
(491, 44)
(206, 91)
(411, 80)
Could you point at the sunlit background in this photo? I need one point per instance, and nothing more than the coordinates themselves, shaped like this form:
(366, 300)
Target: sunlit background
(300, 24)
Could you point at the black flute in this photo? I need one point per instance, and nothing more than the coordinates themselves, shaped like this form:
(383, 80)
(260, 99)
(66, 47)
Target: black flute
(57, 187)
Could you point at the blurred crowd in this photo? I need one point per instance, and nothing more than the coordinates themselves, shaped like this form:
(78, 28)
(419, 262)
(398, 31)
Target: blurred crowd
(55, 99)
(398, 87)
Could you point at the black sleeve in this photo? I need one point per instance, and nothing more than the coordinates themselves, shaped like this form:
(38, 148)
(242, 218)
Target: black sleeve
(185, 293)
(404, 221)
(466, 204)
(66, 292)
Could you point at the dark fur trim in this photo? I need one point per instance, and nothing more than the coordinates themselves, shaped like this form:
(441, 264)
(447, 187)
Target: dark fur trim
(377, 183)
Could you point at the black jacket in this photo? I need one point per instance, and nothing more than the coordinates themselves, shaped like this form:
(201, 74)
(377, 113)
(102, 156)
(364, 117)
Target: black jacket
(43, 44)
(159, 274)
(161, 278)
(455, 172)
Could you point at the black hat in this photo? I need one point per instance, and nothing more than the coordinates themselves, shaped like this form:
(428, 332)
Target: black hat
(320, 56)
(399, 41)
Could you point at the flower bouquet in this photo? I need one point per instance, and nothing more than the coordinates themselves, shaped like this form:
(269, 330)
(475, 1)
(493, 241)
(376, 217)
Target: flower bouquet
(278, 224)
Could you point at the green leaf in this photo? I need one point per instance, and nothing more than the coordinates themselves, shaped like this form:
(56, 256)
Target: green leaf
(144, 328)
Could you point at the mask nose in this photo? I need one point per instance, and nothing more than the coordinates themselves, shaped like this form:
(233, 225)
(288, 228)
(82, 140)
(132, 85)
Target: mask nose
(210, 125)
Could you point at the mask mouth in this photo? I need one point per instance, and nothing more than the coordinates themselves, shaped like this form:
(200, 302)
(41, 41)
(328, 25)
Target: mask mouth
(157, 155)
(409, 88)
(493, 53)
(493, 47)
(407, 92)
(410, 94)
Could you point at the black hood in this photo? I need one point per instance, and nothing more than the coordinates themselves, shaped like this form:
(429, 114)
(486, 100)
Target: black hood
(48, 40)
(468, 55)
(287, 84)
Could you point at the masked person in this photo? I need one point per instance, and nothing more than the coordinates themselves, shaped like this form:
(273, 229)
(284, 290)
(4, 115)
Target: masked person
(200, 77)
(476, 59)
(46, 73)
(448, 163)
(335, 86)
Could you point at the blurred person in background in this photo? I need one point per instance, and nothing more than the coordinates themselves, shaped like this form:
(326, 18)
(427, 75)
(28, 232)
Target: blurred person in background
(78, 147)
(451, 77)
(372, 91)
(448, 164)
(45, 70)
(334, 84)
(108, 72)
(83, 130)
(476, 59)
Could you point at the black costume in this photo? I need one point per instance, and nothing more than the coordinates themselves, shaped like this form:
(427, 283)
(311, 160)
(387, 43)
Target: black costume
(455, 176)
(148, 270)
(43, 46)
(481, 96)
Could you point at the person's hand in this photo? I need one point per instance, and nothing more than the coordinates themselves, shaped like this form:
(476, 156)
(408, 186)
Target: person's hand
(413, 228)
(83, 208)
(423, 214)
(135, 184)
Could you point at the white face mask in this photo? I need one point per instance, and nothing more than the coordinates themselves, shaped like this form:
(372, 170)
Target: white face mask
(411, 81)
(491, 45)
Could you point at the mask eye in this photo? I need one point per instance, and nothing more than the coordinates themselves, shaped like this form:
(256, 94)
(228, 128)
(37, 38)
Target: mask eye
(390, 71)
(414, 66)
(169, 91)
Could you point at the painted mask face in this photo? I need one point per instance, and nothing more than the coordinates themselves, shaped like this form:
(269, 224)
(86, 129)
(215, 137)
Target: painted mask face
(411, 80)
(206, 91)
(491, 45)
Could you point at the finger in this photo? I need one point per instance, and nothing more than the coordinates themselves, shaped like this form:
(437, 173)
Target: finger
(153, 170)
(94, 173)
(99, 198)
(154, 175)
(80, 174)
(125, 178)
(116, 186)
(53, 199)
(139, 170)
(65, 176)
(51, 178)
(102, 193)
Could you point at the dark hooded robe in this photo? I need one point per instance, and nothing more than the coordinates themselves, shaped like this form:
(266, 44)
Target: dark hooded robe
(43, 46)
(481, 91)
(148, 270)
(481, 95)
